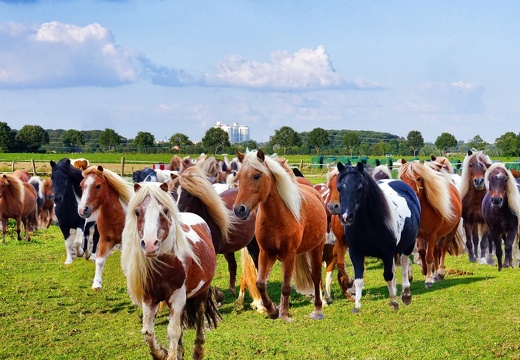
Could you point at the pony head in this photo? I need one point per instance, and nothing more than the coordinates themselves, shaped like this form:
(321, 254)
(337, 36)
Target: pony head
(474, 167)
(502, 187)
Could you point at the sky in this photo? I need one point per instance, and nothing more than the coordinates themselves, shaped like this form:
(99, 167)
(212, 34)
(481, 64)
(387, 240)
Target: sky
(171, 66)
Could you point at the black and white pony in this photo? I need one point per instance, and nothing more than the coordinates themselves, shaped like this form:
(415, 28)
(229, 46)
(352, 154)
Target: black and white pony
(382, 220)
(146, 174)
(67, 192)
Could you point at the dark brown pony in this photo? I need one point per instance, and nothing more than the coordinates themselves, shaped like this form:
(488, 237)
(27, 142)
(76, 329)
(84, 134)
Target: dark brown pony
(47, 209)
(472, 191)
(105, 195)
(168, 256)
(17, 201)
(441, 211)
(290, 227)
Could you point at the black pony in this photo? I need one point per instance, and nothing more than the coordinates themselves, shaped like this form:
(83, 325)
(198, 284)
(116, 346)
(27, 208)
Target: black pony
(67, 192)
(147, 174)
(382, 220)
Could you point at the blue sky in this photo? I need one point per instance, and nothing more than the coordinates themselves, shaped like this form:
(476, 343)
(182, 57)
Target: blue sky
(181, 66)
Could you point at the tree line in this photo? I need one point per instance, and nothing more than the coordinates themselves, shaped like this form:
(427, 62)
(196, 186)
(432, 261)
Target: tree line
(285, 141)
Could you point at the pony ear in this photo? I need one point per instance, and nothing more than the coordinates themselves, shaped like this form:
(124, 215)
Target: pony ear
(433, 158)
(173, 176)
(340, 166)
(260, 155)
(136, 187)
(164, 187)
(100, 168)
(53, 164)
(360, 166)
(469, 153)
(403, 161)
(240, 156)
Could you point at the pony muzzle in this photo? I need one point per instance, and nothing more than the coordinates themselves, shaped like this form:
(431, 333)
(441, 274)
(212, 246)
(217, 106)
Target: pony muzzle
(85, 212)
(347, 219)
(242, 212)
(497, 201)
(151, 249)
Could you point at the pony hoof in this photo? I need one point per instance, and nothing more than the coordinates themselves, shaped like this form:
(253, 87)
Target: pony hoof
(355, 311)
(287, 319)
(472, 259)
(406, 299)
(438, 277)
(428, 285)
(394, 305)
(316, 315)
(482, 261)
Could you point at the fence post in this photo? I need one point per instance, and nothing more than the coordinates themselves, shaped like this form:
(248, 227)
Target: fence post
(122, 167)
(12, 166)
(33, 167)
(301, 164)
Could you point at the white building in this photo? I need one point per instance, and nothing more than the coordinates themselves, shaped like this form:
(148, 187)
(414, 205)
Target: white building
(237, 133)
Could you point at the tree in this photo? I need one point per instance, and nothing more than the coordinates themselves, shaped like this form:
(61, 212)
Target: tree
(109, 138)
(285, 137)
(378, 149)
(32, 137)
(215, 139)
(144, 140)
(445, 141)
(180, 140)
(477, 143)
(415, 141)
(7, 137)
(351, 141)
(72, 138)
(509, 144)
(318, 138)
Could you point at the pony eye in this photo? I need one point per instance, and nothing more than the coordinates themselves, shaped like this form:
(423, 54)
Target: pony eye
(137, 213)
(256, 176)
(98, 186)
(165, 211)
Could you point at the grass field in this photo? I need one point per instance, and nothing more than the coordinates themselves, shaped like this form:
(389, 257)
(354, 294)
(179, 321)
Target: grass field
(48, 311)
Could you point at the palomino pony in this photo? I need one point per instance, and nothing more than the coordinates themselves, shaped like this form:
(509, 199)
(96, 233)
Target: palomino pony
(500, 209)
(17, 201)
(444, 165)
(290, 226)
(441, 211)
(381, 219)
(168, 256)
(472, 190)
(67, 191)
(106, 195)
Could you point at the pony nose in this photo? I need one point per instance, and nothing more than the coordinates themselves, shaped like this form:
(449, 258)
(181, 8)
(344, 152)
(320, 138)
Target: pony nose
(58, 199)
(479, 183)
(497, 201)
(85, 212)
(241, 212)
(347, 219)
(333, 208)
(150, 248)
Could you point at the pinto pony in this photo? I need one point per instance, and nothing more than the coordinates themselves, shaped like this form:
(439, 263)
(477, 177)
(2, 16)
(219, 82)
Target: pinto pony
(168, 256)
(500, 209)
(381, 219)
(105, 195)
(441, 211)
(290, 226)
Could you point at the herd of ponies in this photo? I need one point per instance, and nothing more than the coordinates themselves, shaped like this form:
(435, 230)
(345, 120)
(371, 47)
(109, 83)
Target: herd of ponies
(171, 224)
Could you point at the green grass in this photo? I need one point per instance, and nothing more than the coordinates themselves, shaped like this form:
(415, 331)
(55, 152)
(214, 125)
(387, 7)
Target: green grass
(48, 311)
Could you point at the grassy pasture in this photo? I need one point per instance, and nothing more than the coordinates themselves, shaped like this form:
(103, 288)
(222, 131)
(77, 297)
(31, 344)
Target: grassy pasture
(48, 311)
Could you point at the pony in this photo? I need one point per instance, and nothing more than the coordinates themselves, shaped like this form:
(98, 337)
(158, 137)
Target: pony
(290, 226)
(500, 210)
(17, 201)
(194, 193)
(380, 219)
(146, 174)
(443, 164)
(105, 195)
(47, 208)
(472, 190)
(66, 188)
(22, 174)
(441, 210)
(381, 172)
(80, 163)
(37, 183)
(168, 256)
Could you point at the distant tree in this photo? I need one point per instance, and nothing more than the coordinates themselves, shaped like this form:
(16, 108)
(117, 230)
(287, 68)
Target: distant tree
(393, 147)
(318, 138)
(415, 141)
(445, 141)
(109, 138)
(476, 143)
(509, 144)
(180, 140)
(32, 137)
(144, 140)
(7, 137)
(72, 138)
(215, 139)
(379, 149)
(351, 140)
(285, 137)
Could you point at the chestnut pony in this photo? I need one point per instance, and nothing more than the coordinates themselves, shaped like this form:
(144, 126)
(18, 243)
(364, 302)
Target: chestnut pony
(106, 194)
(17, 201)
(290, 226)
(441, 211)
(168, 256)
(500, 209)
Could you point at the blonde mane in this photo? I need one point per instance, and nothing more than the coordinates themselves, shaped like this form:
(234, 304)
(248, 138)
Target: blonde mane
(120, 186)
(513, 195)
(333, 171)
(195, 181)
(384, 169)
(16, 186)
(464, 176)
(285, 183)
(135, 264)
(436, 187)
(441, 163)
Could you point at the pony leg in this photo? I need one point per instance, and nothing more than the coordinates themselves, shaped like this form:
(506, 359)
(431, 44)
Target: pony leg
(200, 340)
(508, 249)
(232, 269)
(344, 279)
(288, 265)
(174, 332)
(4, 227)
(359, 284)
(69, 248)
(265, 263)
(391, 282)
(19, 228)
(406, 293)
(468, 230)
(330, 262)
(157, 351)
(98, 279)
(430, 247)
(78, 242)
(316, 261)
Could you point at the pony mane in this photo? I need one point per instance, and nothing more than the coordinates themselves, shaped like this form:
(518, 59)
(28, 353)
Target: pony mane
(441, 162)
(464, 176)
(513, 195)
(436, 186)
(384, 169)
(333, 171)
(120, 186)
(16, 186)
(135, 264)
(195, 181)
(285, 182)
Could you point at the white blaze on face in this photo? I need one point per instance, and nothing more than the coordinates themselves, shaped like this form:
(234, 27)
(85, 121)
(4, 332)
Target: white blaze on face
(152, 231)
(398, 208)
(86, 193)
